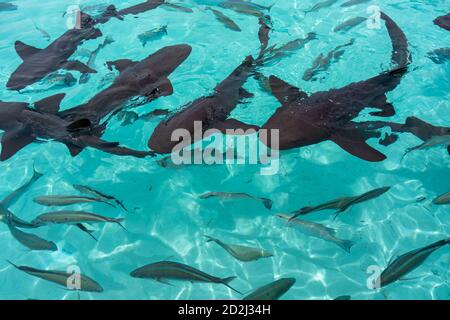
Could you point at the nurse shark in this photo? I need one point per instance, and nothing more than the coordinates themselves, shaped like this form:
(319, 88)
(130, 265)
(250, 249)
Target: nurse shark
(82, 126)
(311, 119)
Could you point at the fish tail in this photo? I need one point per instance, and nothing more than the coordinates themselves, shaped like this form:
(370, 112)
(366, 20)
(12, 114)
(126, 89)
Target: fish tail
(226, 282)
(108, 203)
(294, 216)
(13, 264)
(119, 222)
(120, 203)
(209, 239)
(305, 210)
(267, 203)
(346, 245)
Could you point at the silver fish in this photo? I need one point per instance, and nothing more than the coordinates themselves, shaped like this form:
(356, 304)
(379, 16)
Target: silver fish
(31, 241)
(408, 262)
(321, 5)
(242, 253)
(43, 32)
(440, 56)
(249, 8)
(62, 278)
(58, 201)
(349, 24)
(177, 7)
(230, 196)
(430, 143)
(99, 195)
(6, 6)
(73, 217)
(443, 199)
(167, 270)
(353, 3)
(344, 203)
(343, 298)
(225, 20)
(93, 56)
(152, 35)
(318, 231)
(274, 53)
(272, 291)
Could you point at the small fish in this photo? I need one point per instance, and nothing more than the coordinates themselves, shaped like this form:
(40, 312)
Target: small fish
(56, 81)
(6, 6)
(440, 56)
(43, 32)
(152, 35)
(430, 143)
(225, 20)
(321, 5)
(127, 117)
(322, 63)
(31, 241)
(317, 230)
(242, 253)
(272, 291)
(99, 195)
(230, 196)
(274, 53)
(59, 201)
(62, 278)
(343, 298)
(353, 3)
(349, 24)
(407, 262)
(263, 35)
(249, 8)
(344, 203)
(93, 56)
(167, 270)
(73, 217)
(177, 7)
(443, 199)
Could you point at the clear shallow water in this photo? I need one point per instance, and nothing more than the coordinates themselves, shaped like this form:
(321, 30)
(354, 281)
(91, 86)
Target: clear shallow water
(168, 219)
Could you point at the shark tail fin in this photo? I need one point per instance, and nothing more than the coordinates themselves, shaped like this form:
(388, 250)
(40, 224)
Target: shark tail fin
(400, 54)
(226, 282)
(423, 130)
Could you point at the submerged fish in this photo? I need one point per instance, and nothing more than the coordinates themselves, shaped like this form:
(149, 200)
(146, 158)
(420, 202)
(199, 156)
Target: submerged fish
(317, 230)
(353, 3)
(272, 291)
(249, 8)
(430, 143)
(130, 117)
(31, 241)
(323, 62)
(440, 56)
(59, 201)
(73, 217)
(408, 262)
(167, 270)
(43, 32)
(62, 278)
(99, 195)
(349, 24)
(57, 81)
(344, 203)
(275, 53)
(321, 5)
(230, 196)
(93, 56)
(343, 298)
(443, 199)
(242, 253)
(176, 7)
(6, 6)
(225, 20)
(152, 35)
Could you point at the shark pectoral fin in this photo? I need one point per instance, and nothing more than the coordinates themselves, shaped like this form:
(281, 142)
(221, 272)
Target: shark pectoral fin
(50, 104)
(284, 92)
(14, 140)
(244, 94)
(25, 51)
(121, 64)
(387, 109)
(357, 146)
(73, 149)
(78, 66)
(239, 128)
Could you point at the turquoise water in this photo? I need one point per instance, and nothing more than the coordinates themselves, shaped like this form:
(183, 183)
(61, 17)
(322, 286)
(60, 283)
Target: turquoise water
(167, 218)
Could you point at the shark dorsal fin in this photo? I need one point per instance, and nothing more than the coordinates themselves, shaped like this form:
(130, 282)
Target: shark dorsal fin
(284, 92)
(121, 64)
(25, 51)
(50, 104)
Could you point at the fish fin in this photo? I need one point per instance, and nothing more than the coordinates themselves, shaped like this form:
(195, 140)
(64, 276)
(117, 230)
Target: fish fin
(332, 231)
(15, 140)
(164, 282)
(121, 64)
(13, 264)
(284, 92)
(50, 104)
(209, 239)
(119, 222)
(233, 124)
(73, 149)
(244, 94)
(267, 203)
(77, 66)
(86, 230)
(226, 282)
(346, 245)
(24, 50)
(79, 125)
(356, 145)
